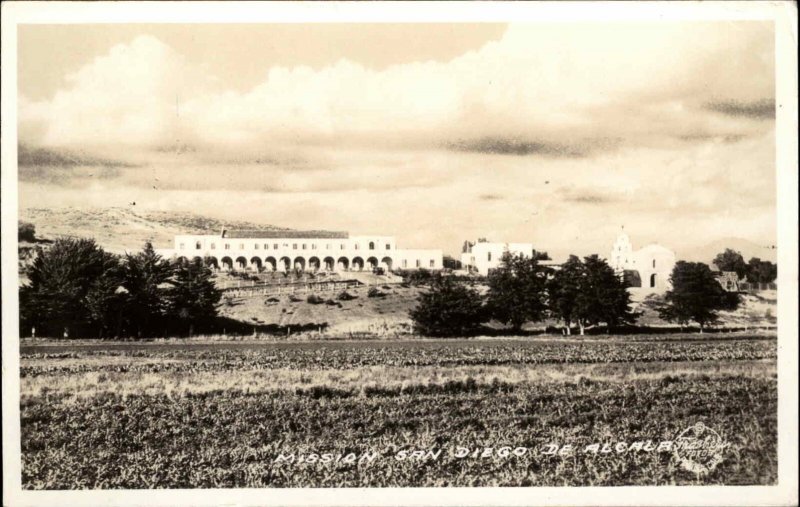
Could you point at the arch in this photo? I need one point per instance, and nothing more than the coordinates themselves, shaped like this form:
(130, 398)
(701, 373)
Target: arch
(198, 245)
(197, 260)
(653, 280)
(270, 263)
(372, 263)
(241, 262)
(386, 263)
(285, 264)
(633, 277)
(227, 263)
(314, 264)
(182, 260)
(343, 263)
(212, 262)
(299, 263)
(357, 264)
(255, 262)
(329, 263)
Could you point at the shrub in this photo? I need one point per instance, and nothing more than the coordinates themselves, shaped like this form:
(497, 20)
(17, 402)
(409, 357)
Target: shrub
(313, 299)
(346, 296)
(294, 299)
(26, 232)
(449, 309)
(373, 292)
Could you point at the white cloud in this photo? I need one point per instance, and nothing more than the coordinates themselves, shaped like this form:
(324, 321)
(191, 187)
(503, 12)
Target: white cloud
(556, 83)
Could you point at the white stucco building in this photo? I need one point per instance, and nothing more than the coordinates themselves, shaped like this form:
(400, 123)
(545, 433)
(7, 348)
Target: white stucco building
(308, 251)
(648, 268)
(482, 256)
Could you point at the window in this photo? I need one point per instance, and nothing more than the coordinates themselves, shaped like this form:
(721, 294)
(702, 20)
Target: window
(181, 246)
(418, 263)
(328, 246)
(489, 256)
(213, 246)
(342, 246)
(433, 263)
(294, 246)
(653, 280)
(275, 246)
(372, 245)
(388, 246)
(304, 246)
(241, 246)
(266, 246)
(356, 246)
(405, 263)
(256, 246)
(197, 246)
(313, 246)
(654, 263)
(227, 246)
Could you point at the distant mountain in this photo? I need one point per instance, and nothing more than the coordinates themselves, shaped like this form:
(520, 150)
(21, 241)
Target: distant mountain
(121, 229)
(747, 248)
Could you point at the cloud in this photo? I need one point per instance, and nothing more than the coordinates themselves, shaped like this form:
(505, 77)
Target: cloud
(542, 89)
(761, 109)
(500, 146)
(28, 156)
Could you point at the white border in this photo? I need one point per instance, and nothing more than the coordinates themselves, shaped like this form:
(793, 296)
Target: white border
(783, 13)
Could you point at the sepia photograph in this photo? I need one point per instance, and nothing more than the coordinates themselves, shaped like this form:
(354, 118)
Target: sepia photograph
(309, 250)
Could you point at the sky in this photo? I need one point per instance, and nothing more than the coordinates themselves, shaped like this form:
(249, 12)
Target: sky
(554, 134)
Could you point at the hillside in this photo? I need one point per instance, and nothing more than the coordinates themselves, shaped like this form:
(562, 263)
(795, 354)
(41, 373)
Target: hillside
(121, 229)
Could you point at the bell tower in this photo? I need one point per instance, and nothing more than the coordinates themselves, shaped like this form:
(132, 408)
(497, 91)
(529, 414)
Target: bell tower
(622, 252)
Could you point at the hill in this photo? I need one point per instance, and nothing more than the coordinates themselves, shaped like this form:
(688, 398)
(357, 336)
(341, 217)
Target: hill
(121, 229)
(747, 248)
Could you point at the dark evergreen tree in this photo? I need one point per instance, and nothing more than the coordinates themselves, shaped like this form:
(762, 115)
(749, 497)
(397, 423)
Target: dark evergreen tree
(695, 296)
(448, 309)
(71, 287)
(193, 298)
(563, 290)
(759, 271)
(145, 278)
(589, 293)
(518, 291)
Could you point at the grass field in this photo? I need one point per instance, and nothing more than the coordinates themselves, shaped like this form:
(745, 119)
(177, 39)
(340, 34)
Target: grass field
(325, 414)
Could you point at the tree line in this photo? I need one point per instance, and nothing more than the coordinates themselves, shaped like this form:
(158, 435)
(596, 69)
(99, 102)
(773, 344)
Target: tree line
(75, 288)
(754, 271)
(583, 293)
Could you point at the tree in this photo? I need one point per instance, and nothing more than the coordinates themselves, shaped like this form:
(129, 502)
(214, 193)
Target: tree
(603, 296)
(588, 293)
(731, 260)
(26, 231)
(193, 297)
(563, 290)
(695, 296)
(70, 289)
(518, 290)
(145, 277)
(448, 309)
(759, 271)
